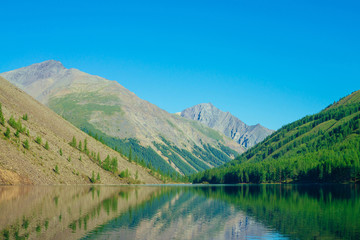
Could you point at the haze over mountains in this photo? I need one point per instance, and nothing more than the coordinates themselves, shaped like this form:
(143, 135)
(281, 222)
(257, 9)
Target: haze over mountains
(116, 116)
(225, 122)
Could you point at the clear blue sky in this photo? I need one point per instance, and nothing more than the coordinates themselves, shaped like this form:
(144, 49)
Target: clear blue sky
(268, 62)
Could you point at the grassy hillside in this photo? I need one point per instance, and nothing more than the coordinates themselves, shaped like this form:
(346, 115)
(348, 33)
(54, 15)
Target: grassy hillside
(118, 118)
(323, 147)
(97, 115)
(39, 147)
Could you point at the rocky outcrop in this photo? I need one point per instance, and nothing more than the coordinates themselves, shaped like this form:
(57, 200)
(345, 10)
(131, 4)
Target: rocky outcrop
(227, 123)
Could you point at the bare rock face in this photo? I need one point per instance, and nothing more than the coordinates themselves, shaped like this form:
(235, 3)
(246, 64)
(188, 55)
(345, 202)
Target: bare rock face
(225, 122)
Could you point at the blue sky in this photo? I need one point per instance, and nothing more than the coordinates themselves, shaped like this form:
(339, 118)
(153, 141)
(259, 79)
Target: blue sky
(268, 62)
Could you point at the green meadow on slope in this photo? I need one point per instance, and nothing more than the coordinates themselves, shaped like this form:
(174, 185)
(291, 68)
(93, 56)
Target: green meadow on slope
(323, 147)
(77, 108)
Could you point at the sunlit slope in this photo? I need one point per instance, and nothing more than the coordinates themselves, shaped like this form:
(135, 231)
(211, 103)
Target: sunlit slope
(35, 149)
(323, 147)
(117, 117)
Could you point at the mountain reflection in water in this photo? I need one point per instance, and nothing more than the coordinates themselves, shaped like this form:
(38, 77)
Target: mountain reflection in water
(180, 212)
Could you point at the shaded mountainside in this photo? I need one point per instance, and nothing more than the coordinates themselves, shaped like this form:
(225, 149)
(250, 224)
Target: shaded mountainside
(323, 147)
(117, 117)
(35, 149)
(247, 136)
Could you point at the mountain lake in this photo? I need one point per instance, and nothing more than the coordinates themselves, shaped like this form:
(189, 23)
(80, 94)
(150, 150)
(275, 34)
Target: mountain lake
(180, 212)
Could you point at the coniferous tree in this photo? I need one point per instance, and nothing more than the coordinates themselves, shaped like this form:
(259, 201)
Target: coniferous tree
(92, 177)
(26, 144)
(85, 145)
(38, 140)
(114, 165)
(47, 145)
(7, 133)
(2, 119)
(98, 158)
(130, 155)
(73, 142)
(106, 163)
(17, 133)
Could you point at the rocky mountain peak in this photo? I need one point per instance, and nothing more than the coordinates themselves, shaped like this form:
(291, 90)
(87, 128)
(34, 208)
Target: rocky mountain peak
(49, 65)
(225, 122)
(27, 75)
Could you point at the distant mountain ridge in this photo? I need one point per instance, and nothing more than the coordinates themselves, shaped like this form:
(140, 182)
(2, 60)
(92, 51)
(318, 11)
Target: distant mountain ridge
(225, 122)
(116, 116)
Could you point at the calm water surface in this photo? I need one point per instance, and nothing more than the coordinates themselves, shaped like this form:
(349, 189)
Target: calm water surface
(180, 212)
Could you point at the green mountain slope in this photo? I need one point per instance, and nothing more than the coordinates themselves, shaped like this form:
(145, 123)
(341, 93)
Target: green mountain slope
(117, 117)
(323, 147)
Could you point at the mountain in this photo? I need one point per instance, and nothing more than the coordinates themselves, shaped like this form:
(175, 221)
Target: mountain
(225, 122)
(114, 115)
(324, 147)
(35, 149)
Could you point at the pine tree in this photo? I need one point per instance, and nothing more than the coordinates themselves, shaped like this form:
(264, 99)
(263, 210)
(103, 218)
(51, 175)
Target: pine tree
(98, 158)
(26, 144)
(7, 133)
(80, 146)
(92, 177)
(73, 142)
(106, 163)
(130, 155)
(2, 119)
(114, 164)
(98, 177)
(60, 152)
(85, 145)
(47, 145)
(38, 140)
